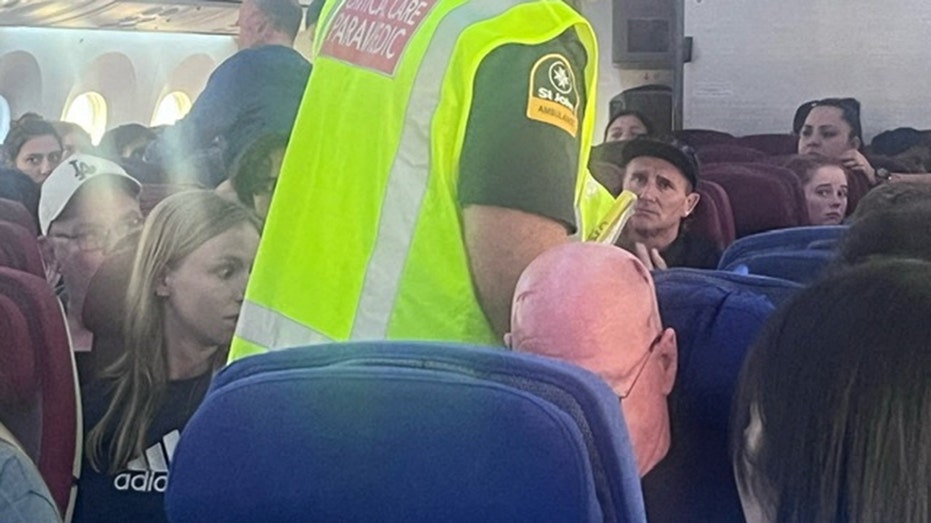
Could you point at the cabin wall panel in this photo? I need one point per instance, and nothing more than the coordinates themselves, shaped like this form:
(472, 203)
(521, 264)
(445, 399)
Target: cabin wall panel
(132, 69)
(755, 62)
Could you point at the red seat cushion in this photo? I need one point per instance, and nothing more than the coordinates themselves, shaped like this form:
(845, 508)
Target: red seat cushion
(762, 196)
(55, 367)
(19, 250)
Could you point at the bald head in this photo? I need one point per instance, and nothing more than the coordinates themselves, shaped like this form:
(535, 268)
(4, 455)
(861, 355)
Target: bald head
(594, 305)
(586, 303)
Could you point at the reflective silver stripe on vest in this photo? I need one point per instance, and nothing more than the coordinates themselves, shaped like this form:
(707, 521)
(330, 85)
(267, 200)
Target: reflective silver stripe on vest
(408, 179)
(272, 330)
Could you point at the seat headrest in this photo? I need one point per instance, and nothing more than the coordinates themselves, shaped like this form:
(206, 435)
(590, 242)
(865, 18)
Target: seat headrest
(469, 435)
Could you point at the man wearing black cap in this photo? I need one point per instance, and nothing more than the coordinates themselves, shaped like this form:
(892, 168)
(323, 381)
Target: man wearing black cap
(663, 175)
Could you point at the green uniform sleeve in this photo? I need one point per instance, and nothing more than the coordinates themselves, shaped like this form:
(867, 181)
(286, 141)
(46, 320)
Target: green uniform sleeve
(521, 148)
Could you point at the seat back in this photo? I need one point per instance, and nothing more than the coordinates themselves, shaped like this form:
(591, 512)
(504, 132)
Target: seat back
(104, 314)
(152, 193)
(20, 410)
(771, 144)
(702, 137)
(713, 218)
(716, 319)
(19, 250)
(15, 212)
(762, 196)
(728, 153)
(476, 434)
(60, 439)
(801, 266)
(792, 238)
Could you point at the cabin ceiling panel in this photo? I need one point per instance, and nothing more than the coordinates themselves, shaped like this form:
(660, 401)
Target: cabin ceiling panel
(178, 16)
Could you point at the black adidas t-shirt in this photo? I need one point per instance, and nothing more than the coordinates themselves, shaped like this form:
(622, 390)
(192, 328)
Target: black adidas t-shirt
(521, 146)
(137, 493)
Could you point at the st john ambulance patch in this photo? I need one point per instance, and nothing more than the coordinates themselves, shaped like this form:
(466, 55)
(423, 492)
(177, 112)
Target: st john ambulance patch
(553, 98)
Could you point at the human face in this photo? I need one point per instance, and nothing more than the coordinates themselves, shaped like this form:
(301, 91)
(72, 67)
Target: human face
(204, 291)
(826, 133)
(663, 195)
(650, 372)
(625, 128)
(826, 194)
(74, 143)
(262, 199)
(38, 157)
(95, 219)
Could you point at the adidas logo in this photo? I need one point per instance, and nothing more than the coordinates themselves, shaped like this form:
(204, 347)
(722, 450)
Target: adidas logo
(149, 473)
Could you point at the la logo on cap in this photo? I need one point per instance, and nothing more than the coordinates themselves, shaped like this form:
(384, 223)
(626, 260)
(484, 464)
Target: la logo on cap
(82, 169)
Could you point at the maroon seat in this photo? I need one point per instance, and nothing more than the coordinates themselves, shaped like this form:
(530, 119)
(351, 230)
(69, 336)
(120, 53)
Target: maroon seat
(713, 218)
(771, 144)
(702, 137)
(152, 193)
(57, 409)
(104, 314)
(15, 212)
(19, 378)
(762, 196)
(728, 153)
(19, 250)
(857, 187)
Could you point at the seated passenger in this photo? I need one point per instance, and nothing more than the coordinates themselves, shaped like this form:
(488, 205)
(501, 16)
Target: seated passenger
(626, 125)
(824, 182)
(186, 288)
(24, 498)
(33, 147)
(86, 206)
(832, 129)
(892, 195)
(902, 231)
(127, 141)
(905, 145)
(595, 306)
(663, 175)
(255, 172)
(74, 139)
(831, 413)
(16, 186)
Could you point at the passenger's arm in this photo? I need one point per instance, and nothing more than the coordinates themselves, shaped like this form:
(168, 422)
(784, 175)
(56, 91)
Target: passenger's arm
(519, 163)
(501, 243)
(856, 162)
(214, 112)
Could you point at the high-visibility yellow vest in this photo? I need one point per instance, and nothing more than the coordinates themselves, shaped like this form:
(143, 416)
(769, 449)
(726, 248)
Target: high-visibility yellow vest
(364, 237)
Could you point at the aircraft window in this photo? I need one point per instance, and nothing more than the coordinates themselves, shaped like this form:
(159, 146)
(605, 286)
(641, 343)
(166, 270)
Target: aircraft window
(4, 118)
(89, 110)
(172, 108)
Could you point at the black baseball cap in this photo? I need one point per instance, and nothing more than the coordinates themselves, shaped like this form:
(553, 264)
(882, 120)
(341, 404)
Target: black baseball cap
(673, 151)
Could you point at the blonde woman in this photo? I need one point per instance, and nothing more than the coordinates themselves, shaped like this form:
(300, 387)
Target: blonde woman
(183, 300)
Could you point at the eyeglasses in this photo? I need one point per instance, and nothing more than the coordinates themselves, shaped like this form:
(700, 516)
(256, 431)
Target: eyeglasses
(97, 237)
(642, 365)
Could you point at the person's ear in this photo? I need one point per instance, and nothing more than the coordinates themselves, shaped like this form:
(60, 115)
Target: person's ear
(856, 142)
(691, 201)
(507, 340)
(163, 285)
(667, 353)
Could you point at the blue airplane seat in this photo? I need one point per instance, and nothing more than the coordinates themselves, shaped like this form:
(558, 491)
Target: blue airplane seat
(800, 266)
(716, 317)
(777, 290)
(392, 431)
(787, 239)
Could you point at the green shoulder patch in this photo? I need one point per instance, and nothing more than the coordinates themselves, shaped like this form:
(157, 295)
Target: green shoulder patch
(553, 97)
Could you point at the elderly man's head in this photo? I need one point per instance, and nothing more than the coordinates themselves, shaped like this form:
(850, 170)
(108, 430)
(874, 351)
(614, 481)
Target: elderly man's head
(595, 306)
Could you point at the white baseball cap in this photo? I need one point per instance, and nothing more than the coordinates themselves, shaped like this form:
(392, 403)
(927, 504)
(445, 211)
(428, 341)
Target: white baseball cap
(68, 177)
